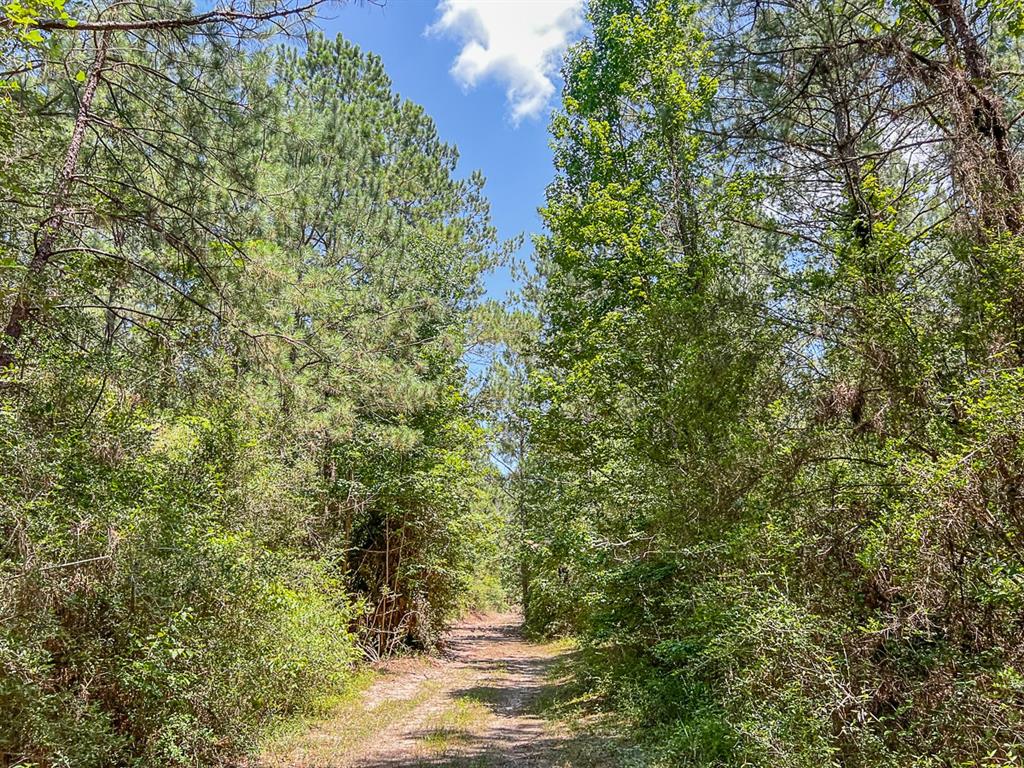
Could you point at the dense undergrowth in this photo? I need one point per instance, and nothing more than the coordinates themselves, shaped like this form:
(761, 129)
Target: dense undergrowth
(773, 431)
(239, 449)
(762, 432)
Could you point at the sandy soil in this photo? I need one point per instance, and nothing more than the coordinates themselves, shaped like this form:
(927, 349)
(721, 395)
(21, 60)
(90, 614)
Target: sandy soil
(479, 705)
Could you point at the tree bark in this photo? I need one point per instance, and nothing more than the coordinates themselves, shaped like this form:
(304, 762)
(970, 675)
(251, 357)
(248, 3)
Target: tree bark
(983, 110)
(57, 222)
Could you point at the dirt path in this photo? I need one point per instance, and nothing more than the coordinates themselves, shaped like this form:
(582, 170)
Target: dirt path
(478, 706)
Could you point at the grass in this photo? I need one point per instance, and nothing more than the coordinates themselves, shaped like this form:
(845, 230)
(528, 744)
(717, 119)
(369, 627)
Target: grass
(438, 730)
(342, 726)
(455, 725)
(596, 734)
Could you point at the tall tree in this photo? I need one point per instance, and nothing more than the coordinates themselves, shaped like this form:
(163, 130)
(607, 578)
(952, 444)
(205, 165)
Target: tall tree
(239, 449)
(780, 338)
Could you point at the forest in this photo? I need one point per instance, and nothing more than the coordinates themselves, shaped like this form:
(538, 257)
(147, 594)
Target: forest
(748, 437)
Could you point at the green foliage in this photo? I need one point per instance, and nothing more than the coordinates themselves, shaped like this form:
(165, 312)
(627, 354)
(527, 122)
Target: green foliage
(772, 435)
(239, 451)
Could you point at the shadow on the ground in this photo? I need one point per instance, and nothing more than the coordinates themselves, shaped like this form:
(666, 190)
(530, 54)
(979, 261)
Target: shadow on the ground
(542, 692)
(492, 751)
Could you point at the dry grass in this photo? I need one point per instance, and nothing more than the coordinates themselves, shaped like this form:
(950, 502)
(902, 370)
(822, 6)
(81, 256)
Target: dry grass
(495, 701)
(455, 725)
(349, 725)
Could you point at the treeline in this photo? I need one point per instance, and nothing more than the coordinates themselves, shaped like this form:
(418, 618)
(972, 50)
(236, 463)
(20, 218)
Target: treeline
(238, 447)
(771, 465)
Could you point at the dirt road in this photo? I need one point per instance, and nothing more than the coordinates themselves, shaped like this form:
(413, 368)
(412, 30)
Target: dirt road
(480, 705)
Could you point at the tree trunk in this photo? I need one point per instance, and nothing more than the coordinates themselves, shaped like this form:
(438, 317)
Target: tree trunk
(58, 221)
(982, 115)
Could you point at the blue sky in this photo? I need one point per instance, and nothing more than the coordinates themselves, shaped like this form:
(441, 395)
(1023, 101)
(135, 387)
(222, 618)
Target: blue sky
(495, 105)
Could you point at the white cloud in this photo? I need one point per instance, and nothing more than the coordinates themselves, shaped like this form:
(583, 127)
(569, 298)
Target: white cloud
(516, 42)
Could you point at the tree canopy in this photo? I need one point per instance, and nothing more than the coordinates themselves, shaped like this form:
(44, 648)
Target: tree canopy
(751, 434)
(774, 422)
